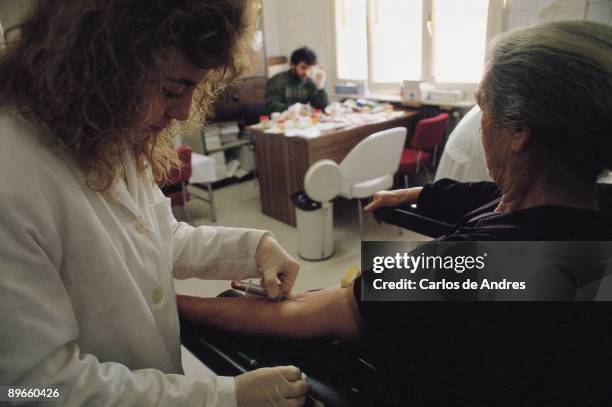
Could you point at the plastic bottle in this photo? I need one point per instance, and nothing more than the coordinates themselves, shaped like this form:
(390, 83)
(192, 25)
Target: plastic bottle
(264, 121)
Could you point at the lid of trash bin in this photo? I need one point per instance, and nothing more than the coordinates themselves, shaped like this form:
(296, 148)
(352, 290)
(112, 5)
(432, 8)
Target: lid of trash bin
(303, 202)
(323, 180)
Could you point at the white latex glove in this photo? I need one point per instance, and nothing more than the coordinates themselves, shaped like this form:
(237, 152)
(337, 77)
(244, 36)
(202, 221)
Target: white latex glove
(275, 265)
(271, 386)
(319, 78)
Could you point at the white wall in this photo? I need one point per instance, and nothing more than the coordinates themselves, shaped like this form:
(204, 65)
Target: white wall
(521, 13)
(270, 27)
(600, 11)
(11, 11)
(291, 24)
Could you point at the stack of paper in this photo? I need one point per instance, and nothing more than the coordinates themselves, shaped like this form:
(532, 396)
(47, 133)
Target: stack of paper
(211, 136)
(228, 132)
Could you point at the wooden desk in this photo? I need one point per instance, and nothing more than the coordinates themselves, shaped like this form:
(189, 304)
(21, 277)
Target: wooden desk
(283, 161)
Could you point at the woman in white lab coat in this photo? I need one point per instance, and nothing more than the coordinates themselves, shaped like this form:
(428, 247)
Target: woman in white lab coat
(89, 244)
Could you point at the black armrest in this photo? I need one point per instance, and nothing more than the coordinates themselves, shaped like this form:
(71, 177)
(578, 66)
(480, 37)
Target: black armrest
(408, 219)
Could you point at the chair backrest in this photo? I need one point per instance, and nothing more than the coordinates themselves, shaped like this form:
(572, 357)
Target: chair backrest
(375, 156)
(463, 156)
(429, 132)
(178, 175)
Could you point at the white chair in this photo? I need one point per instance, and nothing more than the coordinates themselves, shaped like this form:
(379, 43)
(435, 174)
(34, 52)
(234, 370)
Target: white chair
(370, 166)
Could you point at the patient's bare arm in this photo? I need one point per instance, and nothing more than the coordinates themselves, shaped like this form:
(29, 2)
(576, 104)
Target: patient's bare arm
(329, 312)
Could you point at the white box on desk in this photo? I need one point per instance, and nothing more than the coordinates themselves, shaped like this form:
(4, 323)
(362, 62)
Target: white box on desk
(411, 91)
(442, 95)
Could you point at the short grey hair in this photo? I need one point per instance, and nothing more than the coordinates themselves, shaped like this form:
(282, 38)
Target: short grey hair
(555, 78)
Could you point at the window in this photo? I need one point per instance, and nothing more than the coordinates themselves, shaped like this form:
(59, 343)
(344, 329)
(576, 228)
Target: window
(388, 41)
(459, 39)
(351, 39)
(395, 24)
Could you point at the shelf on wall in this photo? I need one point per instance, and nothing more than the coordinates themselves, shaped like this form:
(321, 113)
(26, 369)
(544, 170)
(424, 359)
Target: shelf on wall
(231, 145)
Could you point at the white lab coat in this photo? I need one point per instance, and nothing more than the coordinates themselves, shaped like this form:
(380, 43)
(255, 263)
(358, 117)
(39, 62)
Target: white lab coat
(463, 157)
(86, 291)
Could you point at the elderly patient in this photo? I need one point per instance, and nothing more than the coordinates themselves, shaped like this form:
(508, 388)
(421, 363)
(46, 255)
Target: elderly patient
(546, 100)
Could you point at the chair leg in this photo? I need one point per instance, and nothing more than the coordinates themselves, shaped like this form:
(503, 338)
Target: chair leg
(184, 205)
(211, 202)
(360, 219)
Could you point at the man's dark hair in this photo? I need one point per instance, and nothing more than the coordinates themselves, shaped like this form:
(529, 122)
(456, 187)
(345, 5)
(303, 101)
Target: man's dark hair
(304, 54)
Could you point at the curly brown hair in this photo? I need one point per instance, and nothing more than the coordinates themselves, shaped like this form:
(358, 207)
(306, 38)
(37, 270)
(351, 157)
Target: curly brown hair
(84, 68)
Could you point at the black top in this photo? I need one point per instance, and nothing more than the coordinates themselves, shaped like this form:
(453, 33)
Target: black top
(495, 353)
(470, 206)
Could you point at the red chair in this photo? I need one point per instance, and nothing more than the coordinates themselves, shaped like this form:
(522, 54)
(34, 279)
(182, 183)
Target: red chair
(428, 134)
(176, 186)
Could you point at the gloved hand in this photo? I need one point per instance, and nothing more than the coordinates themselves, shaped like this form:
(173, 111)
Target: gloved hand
(271, 386)
(276, 265)
(393, 198)
(319, 77)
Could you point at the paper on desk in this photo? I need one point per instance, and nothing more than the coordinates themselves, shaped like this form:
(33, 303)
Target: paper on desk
(330, 124)
(314, 131)
(309, 132)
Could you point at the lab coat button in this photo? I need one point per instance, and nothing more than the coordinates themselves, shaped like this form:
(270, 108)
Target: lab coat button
(141, 225)
(157, 296)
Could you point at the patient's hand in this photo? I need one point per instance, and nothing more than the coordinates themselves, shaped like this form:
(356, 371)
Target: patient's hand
(393, 198)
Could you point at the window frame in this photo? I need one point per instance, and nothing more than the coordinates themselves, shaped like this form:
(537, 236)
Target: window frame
(496, 11)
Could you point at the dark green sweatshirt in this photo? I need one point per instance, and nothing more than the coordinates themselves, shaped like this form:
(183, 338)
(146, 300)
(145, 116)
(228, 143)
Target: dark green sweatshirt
(285, 89)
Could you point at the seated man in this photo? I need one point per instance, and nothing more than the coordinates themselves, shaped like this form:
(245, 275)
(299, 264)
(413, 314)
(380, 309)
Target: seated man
(287, 88)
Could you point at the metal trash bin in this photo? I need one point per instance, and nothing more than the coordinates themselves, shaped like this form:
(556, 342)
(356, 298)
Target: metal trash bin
(315, 222)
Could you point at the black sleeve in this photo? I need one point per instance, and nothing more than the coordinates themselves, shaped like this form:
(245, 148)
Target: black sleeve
(604, 194)
(376, 315)
(448, 200)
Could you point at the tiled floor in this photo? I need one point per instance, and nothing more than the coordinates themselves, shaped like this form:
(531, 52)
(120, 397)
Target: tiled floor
(238, 205)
